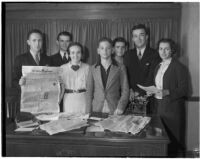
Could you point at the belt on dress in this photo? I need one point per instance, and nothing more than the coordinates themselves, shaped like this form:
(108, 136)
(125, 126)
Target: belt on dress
(75, 91)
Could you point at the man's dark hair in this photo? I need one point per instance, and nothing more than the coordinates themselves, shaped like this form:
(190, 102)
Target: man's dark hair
(65, 33)
(34, 31)
(119, 39)
(171, 43)
(105, 39)
(140, 26)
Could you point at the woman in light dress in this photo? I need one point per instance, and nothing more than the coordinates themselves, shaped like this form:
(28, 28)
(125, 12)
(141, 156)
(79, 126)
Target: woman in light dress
(74, 78)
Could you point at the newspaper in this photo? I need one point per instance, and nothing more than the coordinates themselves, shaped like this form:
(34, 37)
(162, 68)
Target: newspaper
(65, 124)
(40, 93)
(124, 123)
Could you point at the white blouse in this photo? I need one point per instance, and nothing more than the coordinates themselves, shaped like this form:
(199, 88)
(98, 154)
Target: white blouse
(159, 76)
(75, 79)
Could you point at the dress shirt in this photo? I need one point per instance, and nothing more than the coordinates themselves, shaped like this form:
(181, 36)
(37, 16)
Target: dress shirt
(75, 80)
(34, 56)
(62, 54)
(142, 51)
(159, 76)
(104, 74)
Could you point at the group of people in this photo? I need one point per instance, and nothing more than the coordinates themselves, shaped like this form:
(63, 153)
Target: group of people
(111, 82)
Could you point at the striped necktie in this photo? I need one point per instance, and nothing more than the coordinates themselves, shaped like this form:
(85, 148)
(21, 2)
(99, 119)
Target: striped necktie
(37, 59)
(64, 58)
(139, 55)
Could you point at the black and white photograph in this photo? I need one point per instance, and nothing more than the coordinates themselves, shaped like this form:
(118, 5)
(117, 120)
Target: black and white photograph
(100, 79)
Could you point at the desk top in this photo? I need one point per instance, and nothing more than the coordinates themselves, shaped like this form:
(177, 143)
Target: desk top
(148, 134)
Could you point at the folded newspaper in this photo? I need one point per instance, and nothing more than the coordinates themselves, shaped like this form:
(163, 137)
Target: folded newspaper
(124, 123)
(40, 93)
(66, 122)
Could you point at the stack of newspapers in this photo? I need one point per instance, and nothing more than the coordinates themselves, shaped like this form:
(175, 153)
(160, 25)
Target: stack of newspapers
(123, 123)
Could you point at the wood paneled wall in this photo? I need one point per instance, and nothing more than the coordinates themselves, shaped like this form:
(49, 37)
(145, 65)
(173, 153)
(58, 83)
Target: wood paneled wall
(17, 11)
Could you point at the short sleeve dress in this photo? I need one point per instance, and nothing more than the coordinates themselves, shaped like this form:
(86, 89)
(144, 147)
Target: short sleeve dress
(75, 80)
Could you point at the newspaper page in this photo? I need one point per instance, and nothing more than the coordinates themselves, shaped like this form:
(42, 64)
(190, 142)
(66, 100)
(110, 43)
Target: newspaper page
(41, 91)
(150, 89)
(63, 124)
(124, 123)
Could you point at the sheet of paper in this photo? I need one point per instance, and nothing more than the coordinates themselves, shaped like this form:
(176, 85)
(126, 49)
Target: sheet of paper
(48, 117)
(24, 129)
(41, 92)
(28, 123)
(62, 125)
(124, 123)
(151, 89)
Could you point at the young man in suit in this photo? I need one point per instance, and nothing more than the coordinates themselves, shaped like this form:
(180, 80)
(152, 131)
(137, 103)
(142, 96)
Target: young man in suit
(107, 85)
(33, 57)
(140, 61)
(63, 41)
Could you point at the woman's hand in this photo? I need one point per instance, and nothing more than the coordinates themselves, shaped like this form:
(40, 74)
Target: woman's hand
(22, 81)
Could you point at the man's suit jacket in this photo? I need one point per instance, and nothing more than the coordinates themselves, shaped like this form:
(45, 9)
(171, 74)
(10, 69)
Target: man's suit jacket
(56, 60)
(116, 92)
(141, 71)
(26, 59)
(172, 109)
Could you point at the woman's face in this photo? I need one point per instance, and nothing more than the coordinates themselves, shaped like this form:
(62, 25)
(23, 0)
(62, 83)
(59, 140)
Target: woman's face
(75, 54)
(165, 51)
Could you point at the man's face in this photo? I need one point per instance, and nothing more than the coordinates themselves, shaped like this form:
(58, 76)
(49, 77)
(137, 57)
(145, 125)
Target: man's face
(35, 42)
(119, 48)
(139, 38)
(63, 42)
(104, 50)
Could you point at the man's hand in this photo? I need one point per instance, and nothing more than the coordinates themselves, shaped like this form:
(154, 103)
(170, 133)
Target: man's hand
(162, 92)
(118, 111)
(22, 81)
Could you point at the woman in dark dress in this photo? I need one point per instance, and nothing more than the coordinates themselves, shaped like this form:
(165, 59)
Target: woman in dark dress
(171, 80)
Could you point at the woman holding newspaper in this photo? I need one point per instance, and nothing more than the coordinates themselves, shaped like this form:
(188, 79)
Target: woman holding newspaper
(171, 82)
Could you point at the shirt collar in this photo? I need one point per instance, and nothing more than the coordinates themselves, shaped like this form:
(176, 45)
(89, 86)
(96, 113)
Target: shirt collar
(33, 54)
(166, 62)
(62, 54)
(113, 62)
(70, 64)
(142, 50)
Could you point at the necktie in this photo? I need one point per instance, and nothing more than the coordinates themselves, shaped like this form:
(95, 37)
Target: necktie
(64, 58)
(139, 55)
(75, 67)
(37, 59)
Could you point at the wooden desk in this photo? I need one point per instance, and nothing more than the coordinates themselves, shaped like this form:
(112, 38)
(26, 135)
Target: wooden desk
(147, 143)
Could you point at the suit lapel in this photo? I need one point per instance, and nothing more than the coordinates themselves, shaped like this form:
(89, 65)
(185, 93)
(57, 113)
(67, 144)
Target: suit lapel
(145, 55)
(31, 59)
(113, 71)
(98, 75)
(59, 58)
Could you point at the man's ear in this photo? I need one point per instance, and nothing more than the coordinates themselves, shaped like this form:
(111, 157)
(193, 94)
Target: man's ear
(28, 42)
(98, 51)
(57, 42)
(147, 37)
(113, 51)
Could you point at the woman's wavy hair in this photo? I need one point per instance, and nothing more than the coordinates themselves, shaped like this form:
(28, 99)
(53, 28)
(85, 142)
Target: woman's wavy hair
(171, 43)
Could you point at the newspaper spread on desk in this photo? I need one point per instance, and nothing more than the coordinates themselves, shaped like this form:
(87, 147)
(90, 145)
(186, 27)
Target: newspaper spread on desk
(40, 93)
(124, 123)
